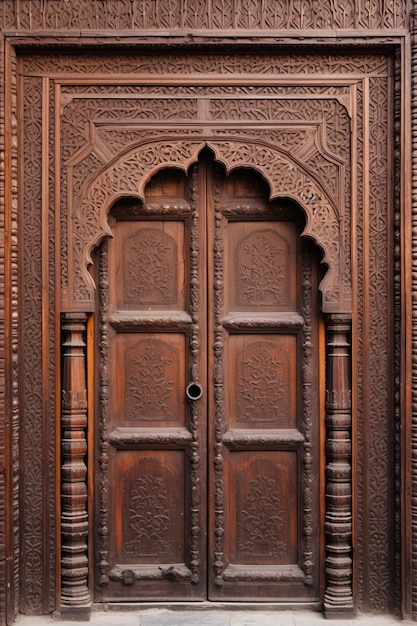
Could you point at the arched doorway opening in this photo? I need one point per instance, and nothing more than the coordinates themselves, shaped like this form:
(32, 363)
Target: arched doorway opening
(209, 424)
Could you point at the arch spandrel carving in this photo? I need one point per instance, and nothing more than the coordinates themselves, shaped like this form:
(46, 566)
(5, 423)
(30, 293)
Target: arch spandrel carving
(127, 177)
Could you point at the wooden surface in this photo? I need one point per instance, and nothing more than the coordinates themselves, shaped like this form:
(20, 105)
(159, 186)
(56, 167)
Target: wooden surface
(69, 127)
(217, 497)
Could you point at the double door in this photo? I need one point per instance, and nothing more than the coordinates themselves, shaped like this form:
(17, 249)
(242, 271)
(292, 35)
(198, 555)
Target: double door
(207, 482)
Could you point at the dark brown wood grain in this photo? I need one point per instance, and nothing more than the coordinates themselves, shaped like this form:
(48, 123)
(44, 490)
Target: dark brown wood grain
(88, 126)
(172, 280)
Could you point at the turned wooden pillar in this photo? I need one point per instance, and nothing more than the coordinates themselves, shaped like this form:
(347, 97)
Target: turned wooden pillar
(75, 596)
(338, 599)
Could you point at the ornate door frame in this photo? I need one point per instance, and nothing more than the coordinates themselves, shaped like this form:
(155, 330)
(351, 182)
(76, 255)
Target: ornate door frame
(76, 306)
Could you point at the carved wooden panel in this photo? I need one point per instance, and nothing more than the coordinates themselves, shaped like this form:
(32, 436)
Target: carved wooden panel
(152, 500)
(38, 364)
(236, 15)
(261, 265)
(263, 374)
(151, 506)
(259, 259)
(266, 508)
(264, 410)
(151, 266)
(150, 377)
(374, 332)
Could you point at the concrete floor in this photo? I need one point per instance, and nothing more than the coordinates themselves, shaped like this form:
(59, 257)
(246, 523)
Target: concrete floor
(213, 617)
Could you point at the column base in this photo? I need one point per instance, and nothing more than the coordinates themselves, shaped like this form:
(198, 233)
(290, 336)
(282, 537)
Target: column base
(344, 611)
(76, 613)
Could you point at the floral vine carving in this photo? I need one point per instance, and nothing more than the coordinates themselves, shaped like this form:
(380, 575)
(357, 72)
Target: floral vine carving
(150, 262)
(151, 390)
(263, 526)
(262, 394)
(129, 173)
(261, 261)
(149, 518)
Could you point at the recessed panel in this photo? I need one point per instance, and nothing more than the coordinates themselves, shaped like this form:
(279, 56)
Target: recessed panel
(149, 507)
(261, 264)
(262, 381)
(263, 508)
(150, 265)
(150, 374)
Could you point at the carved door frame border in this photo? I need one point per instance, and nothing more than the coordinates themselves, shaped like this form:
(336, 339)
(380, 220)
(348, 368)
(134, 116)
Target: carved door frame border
(338, 324)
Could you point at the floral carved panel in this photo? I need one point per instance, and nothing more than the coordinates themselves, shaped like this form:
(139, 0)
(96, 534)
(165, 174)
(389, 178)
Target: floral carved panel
(261, 266)
(263, 526)
(264, 372)
(151, 381)
(150, 520)
(150, 268)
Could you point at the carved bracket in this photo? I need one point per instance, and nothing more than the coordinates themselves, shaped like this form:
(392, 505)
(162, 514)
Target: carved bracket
(127, 175)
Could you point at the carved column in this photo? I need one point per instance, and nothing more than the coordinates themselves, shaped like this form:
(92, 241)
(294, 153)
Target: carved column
(338, 599)
(75, 597)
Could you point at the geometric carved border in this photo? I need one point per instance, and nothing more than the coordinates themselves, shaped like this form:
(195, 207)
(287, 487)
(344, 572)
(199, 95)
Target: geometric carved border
(128, 174)
(192, 15)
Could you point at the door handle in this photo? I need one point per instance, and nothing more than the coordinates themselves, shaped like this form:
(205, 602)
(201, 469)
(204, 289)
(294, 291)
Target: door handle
(194, 391)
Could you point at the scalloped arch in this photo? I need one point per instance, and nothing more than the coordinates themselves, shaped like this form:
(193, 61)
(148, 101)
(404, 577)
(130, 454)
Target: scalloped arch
(127, 175)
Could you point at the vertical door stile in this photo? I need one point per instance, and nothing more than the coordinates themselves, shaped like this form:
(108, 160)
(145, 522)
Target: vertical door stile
(198, 374)
(101, 539)
(310, 461)
(215, 353)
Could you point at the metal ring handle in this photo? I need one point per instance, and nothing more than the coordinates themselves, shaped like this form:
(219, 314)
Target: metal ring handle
(194, 391)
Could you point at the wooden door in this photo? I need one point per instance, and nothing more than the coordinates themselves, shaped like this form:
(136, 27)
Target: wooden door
(207, 482)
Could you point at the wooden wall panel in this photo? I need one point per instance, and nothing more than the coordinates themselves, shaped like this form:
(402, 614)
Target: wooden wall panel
(42, 233)
(380, 290)
(37, 345)
(374, 340)
(31, 350)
